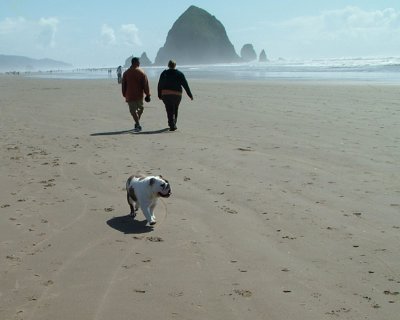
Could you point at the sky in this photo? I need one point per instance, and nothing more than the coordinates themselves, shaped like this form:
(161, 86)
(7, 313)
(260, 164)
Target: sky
(89, 33)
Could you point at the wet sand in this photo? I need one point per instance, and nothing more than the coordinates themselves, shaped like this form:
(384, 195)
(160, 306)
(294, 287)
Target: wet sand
(285, 204)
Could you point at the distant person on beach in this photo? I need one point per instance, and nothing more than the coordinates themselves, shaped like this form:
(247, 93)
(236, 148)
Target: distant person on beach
(170, 92)
(119, 74)
(134, 86)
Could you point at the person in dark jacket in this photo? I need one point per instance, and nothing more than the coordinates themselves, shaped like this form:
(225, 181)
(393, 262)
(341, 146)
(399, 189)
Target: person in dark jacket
(170, 92)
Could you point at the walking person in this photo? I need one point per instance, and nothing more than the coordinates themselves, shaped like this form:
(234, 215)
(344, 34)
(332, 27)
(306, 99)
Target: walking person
(170, 92)
(119, 74)
(134, 86)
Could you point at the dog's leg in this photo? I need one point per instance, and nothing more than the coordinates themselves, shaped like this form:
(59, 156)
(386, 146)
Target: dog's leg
(152, 206)
(131, 205)
(148, 214)
(132, 200)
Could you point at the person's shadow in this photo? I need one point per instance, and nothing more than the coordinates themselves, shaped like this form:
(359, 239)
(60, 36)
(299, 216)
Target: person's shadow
(128, 225)
(112, 133)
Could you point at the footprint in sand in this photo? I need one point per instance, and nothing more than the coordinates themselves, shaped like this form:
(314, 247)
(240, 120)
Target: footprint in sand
(316, 295)
(228, 210)
(243, 293)
(139, 291)
(391, 293)
(289, 237)
(176, 294)
(48, 183)
(155, 239)
(338, 311)
(246, 149)
(48, 283)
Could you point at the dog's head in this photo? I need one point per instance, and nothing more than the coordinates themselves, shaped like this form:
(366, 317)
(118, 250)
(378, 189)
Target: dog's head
(160, 186)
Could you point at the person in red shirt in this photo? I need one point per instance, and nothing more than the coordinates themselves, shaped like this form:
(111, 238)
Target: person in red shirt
(135, 86)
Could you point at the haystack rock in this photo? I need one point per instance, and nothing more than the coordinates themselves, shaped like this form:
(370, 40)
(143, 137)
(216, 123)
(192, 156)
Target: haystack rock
(197, 37)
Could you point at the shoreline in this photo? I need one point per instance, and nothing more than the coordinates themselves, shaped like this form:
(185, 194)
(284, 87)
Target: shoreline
(266, 81)
(384, 70)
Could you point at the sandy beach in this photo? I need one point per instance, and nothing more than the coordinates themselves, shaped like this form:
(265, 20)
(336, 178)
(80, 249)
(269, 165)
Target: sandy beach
(285, 202)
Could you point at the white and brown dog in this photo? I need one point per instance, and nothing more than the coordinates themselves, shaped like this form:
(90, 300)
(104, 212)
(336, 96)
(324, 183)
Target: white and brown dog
(143, 192)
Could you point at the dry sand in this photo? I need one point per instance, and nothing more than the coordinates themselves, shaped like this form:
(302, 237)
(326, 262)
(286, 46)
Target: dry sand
(285, 205)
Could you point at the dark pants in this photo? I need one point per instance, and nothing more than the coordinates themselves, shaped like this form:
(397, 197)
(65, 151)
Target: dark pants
(171, 103)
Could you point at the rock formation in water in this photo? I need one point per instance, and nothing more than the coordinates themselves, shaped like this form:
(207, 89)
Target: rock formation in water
(248, 53)
(197, 37)
(144, 60)
(263, 56)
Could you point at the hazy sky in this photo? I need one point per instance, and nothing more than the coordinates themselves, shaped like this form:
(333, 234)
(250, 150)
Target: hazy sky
(105, 33)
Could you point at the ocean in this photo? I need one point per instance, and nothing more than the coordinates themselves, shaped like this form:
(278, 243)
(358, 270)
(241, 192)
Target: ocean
(376, 70)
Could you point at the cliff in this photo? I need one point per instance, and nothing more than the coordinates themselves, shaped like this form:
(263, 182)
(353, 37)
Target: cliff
(197, 37)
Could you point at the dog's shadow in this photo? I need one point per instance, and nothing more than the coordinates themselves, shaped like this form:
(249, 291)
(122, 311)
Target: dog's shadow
(128, 225)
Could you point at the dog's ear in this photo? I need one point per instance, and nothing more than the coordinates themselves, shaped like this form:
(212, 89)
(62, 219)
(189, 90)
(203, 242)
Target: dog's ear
(152, 180)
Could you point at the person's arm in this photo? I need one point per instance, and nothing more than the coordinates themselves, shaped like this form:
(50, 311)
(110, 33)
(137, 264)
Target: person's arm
(124, 85)
(146, 87)
(185, 85)
(160, 85)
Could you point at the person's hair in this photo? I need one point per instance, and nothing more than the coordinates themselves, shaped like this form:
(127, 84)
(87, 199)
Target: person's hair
(135, 60)
(171, 64)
